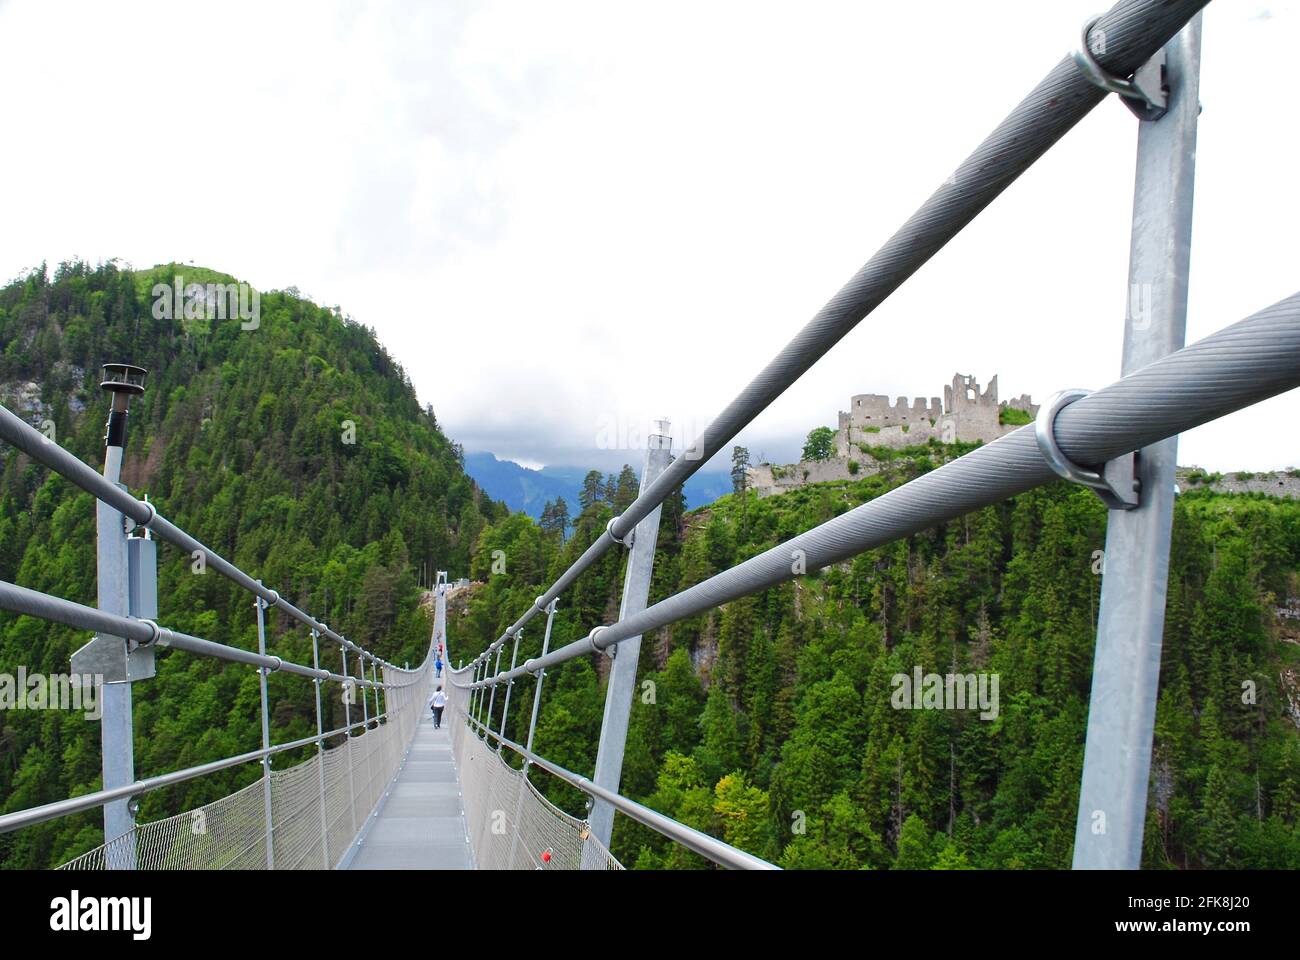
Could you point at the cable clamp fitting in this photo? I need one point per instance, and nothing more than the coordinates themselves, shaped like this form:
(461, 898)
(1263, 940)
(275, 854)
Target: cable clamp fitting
(152, 513)
(1146, 93)
(1116, 483)
(610, 651)
(155, 632)
(626, 540)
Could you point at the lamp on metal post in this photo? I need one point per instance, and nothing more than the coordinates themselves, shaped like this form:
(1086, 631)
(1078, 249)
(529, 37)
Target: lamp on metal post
(128, 586)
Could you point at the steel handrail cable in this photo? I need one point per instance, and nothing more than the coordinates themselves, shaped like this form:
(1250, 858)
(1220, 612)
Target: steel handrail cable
(714, 849)
(1249, 361)
(34, 603)
(40, 448)
(379, 746)
(88, 801)
(1134, 30)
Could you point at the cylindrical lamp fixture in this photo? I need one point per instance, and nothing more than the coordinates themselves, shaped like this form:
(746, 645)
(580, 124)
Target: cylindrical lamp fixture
(122, 380)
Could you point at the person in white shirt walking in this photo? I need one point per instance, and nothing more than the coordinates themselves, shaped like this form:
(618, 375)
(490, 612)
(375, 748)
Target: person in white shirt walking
(438, 702)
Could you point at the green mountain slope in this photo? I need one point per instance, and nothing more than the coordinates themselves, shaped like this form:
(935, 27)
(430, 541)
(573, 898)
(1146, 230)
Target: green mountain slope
(297, 450)
(773, 724)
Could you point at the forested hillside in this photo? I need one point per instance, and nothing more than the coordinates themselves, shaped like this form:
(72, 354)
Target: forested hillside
(770, 723)
(296, 449)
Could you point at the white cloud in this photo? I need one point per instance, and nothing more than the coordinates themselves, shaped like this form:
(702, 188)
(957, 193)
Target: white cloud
(563, 215)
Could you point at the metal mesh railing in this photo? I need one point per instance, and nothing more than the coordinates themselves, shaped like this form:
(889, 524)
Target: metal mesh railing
(1120, 441)
(317, 806)
(224, 834)
(511, 825)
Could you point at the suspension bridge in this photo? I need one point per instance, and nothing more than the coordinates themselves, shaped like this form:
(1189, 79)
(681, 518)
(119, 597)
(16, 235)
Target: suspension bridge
(388, 790)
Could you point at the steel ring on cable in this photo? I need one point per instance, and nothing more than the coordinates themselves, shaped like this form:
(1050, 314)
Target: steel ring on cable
(1045, 434)
(155, 632)
(591, 639)
(1094, 71)
(1117, 483)
(1142, 101)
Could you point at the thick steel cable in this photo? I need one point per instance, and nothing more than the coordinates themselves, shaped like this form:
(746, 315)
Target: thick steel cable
(721, 853)
(1250, 361)
(1134, 30)
(88, 801)
(33, 603)
(42, 605)
(39, 447)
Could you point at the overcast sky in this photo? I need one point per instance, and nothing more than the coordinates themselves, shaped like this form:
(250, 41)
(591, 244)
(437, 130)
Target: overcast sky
(567, 218)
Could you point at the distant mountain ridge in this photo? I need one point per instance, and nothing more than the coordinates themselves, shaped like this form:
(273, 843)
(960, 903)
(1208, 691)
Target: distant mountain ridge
(522, 488)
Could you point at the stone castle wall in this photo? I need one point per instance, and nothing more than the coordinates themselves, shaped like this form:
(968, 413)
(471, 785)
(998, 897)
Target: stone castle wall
(966, 415)
(1277, 484)
(874, 409)
(767, 479)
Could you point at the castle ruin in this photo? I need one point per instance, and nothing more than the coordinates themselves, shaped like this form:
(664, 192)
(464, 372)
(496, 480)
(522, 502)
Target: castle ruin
(966, 415)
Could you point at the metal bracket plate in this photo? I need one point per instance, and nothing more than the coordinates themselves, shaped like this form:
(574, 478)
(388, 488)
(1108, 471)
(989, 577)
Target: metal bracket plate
(108, 657)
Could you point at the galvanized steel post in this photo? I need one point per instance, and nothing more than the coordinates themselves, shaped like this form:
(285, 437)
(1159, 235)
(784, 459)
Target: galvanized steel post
(622, 674)
(361, 685)
(320, 756)
(348, 695)
(262, 672)
(116, 730)
(541, 675)
(505, 710)
(1126, 670)
(492, 697)
(532, 728)
(476, 693)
